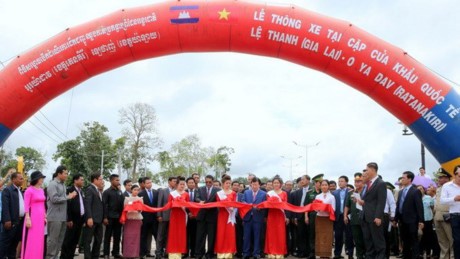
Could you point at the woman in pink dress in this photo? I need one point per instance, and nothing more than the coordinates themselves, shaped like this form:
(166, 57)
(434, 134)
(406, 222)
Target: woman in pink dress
(177, 235)
(225, 245)
(33, 237)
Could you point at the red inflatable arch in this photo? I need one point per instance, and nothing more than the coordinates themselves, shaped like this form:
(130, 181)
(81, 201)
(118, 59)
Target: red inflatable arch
(421, 100)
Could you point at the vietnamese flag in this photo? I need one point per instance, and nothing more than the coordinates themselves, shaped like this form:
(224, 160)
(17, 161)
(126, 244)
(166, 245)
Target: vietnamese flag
(223, 14)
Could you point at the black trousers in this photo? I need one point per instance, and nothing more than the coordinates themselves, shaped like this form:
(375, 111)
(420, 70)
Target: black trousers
(71, 239)
(374, 240)
(113, 229)
(302, 239)
(429, 242)
(342, 234)
(148, 230)
(88, 235)
(205, 229)
(239, 231)
(191, 236)
(409, 237)
(9, 240)
(162, 238)
(386, 223)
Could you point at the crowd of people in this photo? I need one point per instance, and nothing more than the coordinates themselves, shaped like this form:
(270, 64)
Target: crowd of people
(221, 218)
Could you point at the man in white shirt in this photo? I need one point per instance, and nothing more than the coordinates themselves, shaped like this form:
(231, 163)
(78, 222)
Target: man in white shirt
(450, 195)
(388, 216)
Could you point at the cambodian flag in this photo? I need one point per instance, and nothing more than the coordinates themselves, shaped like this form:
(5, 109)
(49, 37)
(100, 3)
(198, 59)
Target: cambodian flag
(184, 14)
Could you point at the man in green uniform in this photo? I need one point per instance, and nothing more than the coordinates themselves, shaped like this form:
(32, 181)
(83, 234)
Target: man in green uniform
(312, 215)
(351, 216)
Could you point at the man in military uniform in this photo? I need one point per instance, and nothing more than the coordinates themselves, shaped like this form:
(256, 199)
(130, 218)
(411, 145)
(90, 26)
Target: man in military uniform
(443, 228)
(351, 216)
(312, 215)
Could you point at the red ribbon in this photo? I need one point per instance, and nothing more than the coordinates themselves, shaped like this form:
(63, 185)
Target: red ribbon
(194, 207)
(316, 205)
(243, 208)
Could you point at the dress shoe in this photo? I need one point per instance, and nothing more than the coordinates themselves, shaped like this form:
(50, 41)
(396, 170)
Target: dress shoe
(257, 257)
(118, 256)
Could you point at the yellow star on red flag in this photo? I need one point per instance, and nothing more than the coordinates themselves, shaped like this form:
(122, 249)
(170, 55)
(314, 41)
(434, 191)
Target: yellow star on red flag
(224, 14)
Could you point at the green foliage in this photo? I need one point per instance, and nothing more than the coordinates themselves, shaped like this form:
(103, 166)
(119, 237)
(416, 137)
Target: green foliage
(220, 161)
(33, 159)
(187, 156)
(84, 153)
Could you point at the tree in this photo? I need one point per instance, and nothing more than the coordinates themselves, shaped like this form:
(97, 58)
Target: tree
(189, 154)
(221, 161)
(33, 159)
(140, 130)
(123, 155)
(6, 161)
(88, 151)
(168, 167)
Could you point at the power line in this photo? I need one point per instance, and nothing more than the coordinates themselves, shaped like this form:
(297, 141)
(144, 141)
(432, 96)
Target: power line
(68, 115)
(65, 136)
(44, 125)
(40, 129)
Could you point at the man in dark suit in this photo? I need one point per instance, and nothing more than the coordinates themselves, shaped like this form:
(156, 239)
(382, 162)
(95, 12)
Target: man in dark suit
(373, 201)
(239, 222)
(127, 184)
(149, 227)
(163, 217)
(300, 198)
(113, 200)
(409, 215)
(191, 223)
(342, 231)
(75, 219)
(12, 217)
(94, 214)
(206, 219)
(253, 220)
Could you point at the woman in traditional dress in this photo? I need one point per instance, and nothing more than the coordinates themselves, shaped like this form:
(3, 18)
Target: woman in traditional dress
(225, 245)
(33, 238)
(323, 225)
(177, 235)
(275, 239)
(132, 226)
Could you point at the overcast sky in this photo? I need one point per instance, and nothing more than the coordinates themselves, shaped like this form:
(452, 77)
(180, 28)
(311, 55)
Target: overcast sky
(256, 105)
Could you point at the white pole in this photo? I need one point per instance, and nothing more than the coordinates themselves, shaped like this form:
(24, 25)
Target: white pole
(102, 162)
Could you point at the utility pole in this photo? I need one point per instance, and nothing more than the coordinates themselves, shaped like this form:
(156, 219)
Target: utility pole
(102, 163)
(119, 163)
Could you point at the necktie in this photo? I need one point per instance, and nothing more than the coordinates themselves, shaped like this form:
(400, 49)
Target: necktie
(370, 185)
(364, 191)
(403, 197)
(254, 194)
(208, 193)
(150, 195)
(82, 206)
(191, 195)
(342, 199)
